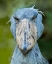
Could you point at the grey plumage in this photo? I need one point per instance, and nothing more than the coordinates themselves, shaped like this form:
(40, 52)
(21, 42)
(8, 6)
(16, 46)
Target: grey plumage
(34, 56)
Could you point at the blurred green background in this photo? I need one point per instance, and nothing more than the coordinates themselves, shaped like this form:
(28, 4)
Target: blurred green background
(7, 42)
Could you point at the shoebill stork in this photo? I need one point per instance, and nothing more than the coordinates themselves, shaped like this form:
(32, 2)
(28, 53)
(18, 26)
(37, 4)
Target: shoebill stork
(27, 28)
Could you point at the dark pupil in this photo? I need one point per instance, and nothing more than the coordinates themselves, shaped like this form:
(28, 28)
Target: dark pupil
(16, 18)
(33, 18)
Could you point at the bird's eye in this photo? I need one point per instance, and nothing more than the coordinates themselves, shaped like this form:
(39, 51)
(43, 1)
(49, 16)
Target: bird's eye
(33, 17)
(16, 18)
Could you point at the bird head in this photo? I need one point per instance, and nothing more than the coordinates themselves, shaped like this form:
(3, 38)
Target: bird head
(26, 27)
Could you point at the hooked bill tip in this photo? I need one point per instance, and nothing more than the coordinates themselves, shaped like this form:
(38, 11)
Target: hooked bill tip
(25, 49)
